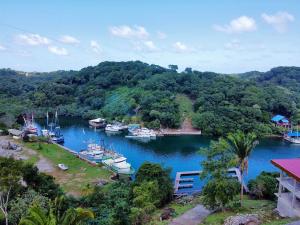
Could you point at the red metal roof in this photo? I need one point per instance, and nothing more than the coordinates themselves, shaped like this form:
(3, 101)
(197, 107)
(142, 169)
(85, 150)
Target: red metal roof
(290, 166)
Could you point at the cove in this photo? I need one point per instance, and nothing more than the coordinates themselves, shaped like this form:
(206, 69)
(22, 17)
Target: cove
(177, 152)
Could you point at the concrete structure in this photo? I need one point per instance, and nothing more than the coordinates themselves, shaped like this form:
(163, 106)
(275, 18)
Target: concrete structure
(288, 203)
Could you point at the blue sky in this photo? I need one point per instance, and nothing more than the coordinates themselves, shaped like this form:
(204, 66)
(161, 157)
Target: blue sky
(208, 35)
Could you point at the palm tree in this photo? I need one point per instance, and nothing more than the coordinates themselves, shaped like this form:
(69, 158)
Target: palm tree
(241, 145)
(36, 216)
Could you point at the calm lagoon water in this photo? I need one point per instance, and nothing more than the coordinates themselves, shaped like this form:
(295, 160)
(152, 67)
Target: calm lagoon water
(178, 152)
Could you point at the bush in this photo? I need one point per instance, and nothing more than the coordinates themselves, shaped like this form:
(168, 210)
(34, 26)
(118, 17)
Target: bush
(264, 185)
(220, 193)
(154, 172)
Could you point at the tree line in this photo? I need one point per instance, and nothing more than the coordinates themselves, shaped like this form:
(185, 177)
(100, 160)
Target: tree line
(139, 92)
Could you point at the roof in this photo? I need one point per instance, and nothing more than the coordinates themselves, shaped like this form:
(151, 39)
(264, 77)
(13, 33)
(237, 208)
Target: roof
(15, 132)
(285, 120)
(289, 166)
(293, 134)
(277, 118)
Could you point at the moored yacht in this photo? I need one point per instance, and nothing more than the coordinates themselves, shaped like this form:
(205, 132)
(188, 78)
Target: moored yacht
(97, 123)
(119, 165)
(142, 134)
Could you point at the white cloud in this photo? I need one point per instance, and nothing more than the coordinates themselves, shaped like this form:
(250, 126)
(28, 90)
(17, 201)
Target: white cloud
(150, 45)
(2, 48)
(57, 50)
(238, 25)
(95, 46)
(67, 39)
(33, 39)
(161, 35)
(233, 45)
(279, 20)
(180, 47)
(145, 46)
(129, 32)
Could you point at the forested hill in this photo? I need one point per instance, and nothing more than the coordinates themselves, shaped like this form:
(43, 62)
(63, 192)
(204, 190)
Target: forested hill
(136, 91)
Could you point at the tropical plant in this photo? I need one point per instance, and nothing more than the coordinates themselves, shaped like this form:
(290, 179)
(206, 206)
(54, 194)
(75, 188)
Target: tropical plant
(37, 216)
(241, 145)
(220, 189)
(264, 185)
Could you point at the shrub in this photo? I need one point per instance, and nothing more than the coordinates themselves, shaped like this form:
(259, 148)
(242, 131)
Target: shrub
(154, 172)
(264, 185)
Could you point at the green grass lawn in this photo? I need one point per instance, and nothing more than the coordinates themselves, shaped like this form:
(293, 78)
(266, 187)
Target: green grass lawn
(264, 208)
(79, 174)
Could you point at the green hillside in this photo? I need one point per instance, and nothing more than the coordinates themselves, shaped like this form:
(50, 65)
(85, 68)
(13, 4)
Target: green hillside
(158, 96)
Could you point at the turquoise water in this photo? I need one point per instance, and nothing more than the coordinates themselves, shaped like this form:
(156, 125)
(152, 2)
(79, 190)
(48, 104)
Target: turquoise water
(178, 152)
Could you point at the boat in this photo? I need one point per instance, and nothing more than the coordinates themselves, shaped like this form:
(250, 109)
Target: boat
(112, 128)
(58, 136)
(133, 127)
(292, 136)
(29, 125)
(53, 132)
(62, 167)
(119, 165)
(142, 134)
(115, 128)
(98, 123)
(94, 152)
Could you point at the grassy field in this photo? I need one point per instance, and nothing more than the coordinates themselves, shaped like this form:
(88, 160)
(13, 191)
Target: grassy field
(80, 173)
(264, 208)
(185, 106)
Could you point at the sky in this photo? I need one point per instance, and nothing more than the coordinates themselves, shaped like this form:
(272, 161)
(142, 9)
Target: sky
(225, 36)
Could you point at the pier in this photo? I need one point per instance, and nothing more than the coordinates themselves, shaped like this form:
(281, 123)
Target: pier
(233, 172)
(179, 180)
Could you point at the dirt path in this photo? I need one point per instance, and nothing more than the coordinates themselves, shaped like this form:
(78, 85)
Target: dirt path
(193, 216)
(186, 128)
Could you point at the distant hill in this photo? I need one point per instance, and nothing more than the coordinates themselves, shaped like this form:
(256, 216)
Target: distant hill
(138, 92)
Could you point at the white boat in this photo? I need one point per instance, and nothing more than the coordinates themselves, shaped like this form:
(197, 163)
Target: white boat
(112, 128)
(97, 123)
(142, 133)
(94, 152)
(62, 167)
(118, 164)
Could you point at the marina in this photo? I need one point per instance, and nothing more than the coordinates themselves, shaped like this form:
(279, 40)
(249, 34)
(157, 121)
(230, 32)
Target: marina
(177, 152)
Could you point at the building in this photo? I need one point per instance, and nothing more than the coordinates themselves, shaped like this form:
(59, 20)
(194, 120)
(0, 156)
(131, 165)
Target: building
(288, 203)
(280, 120)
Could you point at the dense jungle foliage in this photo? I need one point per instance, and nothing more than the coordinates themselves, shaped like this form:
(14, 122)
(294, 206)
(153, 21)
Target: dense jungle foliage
(119, 203)
(136, 91)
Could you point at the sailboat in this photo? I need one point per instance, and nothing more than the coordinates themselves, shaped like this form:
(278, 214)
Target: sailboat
(53, 131)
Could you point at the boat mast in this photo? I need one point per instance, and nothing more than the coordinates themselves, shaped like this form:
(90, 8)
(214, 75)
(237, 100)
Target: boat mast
(47, 115)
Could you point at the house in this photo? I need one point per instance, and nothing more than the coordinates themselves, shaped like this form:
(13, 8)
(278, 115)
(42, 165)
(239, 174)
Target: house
(280, 120)
(288, 202)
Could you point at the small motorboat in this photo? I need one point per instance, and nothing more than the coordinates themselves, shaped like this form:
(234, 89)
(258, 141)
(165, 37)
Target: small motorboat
(62, 166)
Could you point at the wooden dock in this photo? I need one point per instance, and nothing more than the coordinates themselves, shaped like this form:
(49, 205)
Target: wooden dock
(179, 180)
(233, 172)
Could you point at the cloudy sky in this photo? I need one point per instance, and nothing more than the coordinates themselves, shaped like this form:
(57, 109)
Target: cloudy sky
(209, 35)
